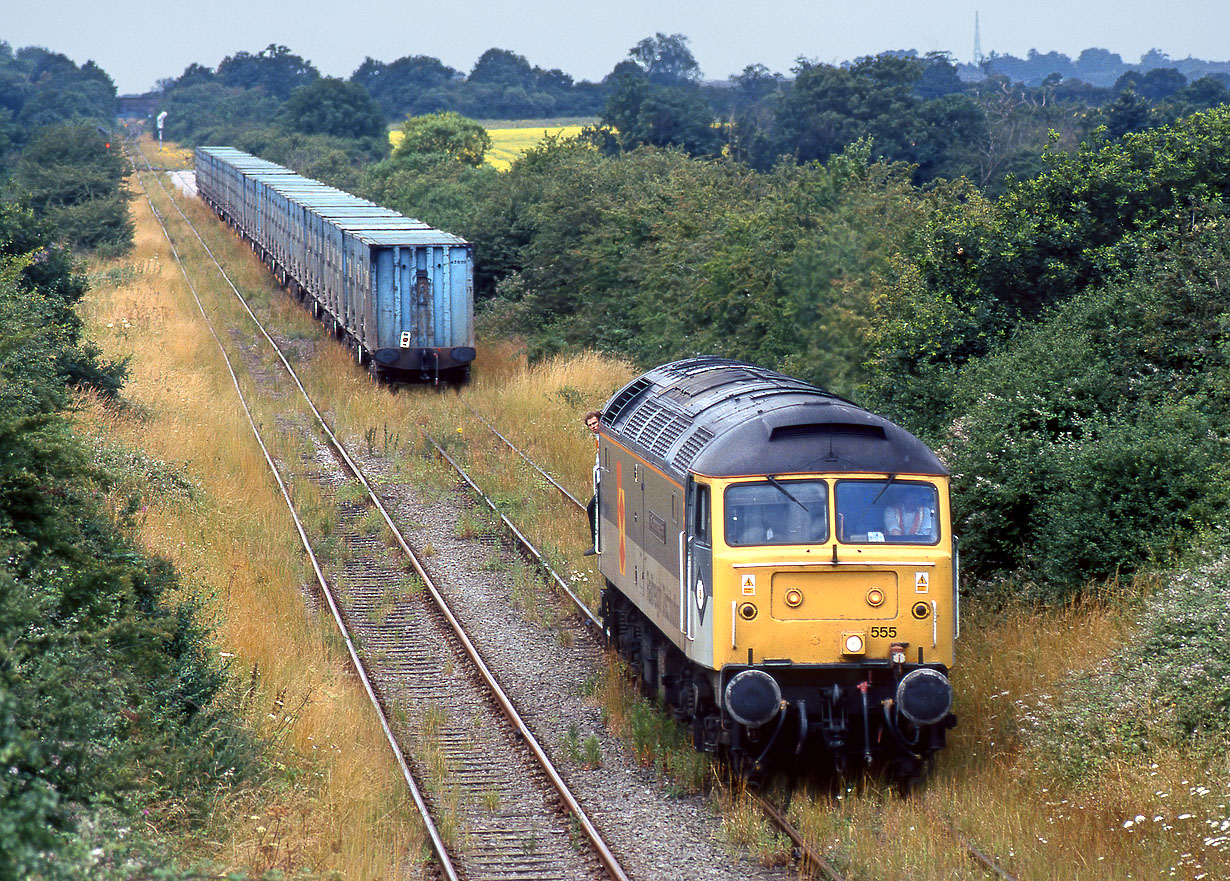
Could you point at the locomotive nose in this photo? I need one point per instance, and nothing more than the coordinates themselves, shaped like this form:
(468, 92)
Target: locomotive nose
(753, 698)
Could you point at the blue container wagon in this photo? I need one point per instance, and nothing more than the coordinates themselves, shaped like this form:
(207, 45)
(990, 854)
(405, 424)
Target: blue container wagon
(399, 292)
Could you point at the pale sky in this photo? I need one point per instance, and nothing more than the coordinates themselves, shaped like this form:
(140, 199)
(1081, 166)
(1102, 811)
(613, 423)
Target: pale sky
(141, 41)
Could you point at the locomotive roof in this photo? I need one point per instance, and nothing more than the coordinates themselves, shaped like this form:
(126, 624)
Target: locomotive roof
(725, 418)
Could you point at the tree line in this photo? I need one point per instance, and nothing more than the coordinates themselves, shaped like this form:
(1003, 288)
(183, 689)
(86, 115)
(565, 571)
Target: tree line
(926, 110)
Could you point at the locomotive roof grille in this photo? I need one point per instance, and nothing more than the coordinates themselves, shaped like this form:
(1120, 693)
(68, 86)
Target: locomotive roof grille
(726, 418)
(670, 426)
(690, 447)
(640, 417)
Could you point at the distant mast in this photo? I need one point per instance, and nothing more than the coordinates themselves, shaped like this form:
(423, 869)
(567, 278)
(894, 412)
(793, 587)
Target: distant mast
(977, 43)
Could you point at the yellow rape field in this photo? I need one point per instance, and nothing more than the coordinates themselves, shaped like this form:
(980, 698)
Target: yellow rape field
(510, 143)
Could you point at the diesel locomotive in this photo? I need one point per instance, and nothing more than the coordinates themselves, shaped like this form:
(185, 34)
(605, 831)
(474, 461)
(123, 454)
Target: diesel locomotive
(399, 292)
(779, 567)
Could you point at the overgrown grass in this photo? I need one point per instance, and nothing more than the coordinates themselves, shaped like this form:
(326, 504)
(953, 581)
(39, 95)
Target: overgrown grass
(335, 802)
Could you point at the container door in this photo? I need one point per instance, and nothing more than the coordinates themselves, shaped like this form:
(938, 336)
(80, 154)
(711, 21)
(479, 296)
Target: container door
(423, 299)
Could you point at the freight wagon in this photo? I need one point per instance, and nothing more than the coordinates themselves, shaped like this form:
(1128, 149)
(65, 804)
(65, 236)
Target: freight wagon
(399, 292)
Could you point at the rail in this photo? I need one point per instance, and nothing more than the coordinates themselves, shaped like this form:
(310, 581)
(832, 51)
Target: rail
(522, 732)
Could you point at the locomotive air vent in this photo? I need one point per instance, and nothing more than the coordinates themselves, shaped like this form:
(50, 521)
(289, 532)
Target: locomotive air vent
(639, 418)
(693, 445)
(816, 429)
(668, 426)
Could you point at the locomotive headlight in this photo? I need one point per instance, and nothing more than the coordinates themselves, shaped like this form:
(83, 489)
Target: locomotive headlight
(794, 598)
(853, 644)
(875, 597)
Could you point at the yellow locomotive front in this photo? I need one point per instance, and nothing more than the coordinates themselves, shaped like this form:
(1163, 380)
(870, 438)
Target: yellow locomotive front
(843, 609)
(824, 569)
(780, 566)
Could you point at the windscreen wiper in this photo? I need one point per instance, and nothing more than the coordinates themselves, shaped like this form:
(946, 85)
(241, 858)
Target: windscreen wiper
(777, 483)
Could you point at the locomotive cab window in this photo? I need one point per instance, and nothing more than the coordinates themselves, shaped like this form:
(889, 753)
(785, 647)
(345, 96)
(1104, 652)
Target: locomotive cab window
(778, 512)
(889, 511)
(698, 511)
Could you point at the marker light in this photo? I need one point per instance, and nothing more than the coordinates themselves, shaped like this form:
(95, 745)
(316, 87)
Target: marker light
(794, 598)
(920, 611)
(875, 597)
(747, 611)
(853, 644)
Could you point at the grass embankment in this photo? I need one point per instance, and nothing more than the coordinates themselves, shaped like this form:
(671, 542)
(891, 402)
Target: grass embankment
(1144, 815)
(334, 799)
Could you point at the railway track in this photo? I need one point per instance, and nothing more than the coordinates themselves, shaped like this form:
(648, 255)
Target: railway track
(494, 805)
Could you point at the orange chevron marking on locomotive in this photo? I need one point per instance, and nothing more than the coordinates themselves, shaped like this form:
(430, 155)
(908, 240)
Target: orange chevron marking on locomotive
(620, 518)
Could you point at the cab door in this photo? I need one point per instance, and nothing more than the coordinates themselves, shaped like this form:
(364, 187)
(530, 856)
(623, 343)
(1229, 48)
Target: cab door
(696, 587)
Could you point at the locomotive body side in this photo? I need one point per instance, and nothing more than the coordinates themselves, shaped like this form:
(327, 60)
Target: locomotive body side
(399, 292)
(760, 574)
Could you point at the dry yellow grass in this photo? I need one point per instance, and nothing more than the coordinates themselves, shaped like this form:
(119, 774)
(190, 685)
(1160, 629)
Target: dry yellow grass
(337, 802)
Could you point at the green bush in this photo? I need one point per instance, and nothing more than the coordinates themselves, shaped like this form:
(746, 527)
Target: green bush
(1092, 444)
(978, 270)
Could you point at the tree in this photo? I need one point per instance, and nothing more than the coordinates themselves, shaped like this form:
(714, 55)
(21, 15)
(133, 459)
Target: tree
(1099, 66)
(194, 74)
(275, 69)
(642, 113)
(666, 60)
(449, 134)
(939, 77)
(502, 67)
(1202, 94)
(330, 106)
(1161, 83)
(405, 86)
(73, 176)
(1128, 113)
